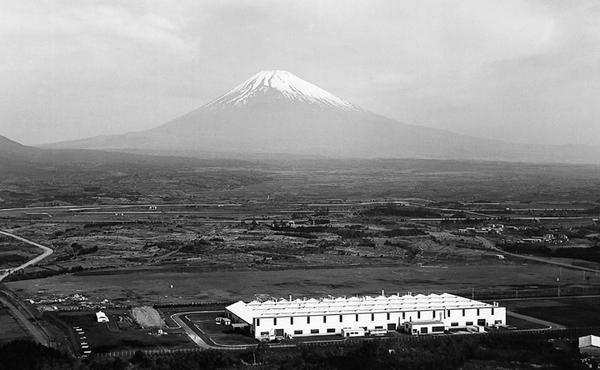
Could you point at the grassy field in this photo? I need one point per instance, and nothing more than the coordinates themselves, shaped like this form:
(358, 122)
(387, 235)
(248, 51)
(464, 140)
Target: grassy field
(9, 327)
(164, 285)
(571, 312)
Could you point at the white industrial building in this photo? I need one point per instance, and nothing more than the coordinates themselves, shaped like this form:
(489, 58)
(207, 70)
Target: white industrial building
(419, 314)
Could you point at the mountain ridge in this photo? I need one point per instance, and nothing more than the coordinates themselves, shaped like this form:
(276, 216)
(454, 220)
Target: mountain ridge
(277, 112)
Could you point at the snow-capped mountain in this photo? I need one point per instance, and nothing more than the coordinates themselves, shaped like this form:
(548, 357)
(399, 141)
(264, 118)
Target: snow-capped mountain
(275, 82)
(277, 112)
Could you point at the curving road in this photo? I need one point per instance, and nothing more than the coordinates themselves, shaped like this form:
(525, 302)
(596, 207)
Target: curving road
(199, 337)
(548, 325)
(489, 245)
(189, 329)
(46, 252)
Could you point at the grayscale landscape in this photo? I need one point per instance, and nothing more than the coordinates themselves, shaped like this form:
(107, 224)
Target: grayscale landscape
(275, 185)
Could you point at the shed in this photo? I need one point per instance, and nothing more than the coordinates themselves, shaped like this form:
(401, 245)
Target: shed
(101, 316)
(590, 345)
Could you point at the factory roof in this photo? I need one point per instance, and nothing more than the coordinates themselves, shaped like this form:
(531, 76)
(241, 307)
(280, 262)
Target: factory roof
(352, 305)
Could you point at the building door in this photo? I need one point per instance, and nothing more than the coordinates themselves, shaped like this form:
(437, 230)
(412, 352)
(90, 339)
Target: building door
(424, 330)
(391, 326)
(481, 322)
(279, 332)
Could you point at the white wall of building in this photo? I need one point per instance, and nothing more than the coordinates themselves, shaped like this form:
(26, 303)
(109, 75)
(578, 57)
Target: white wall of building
(332, 324)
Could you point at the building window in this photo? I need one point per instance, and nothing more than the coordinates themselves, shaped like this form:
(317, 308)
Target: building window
(275, 321)
(433, 314)
(356, 317)
(372, 317)
(257, 322)
(331, 330)
(308, 319)
(291, 321)
(469, 323)
(478, 312)
(492, 311)
(454, 324)
(448, 313)
(418, 314)
(341, 318)
(297, 332)
(264, 333)
(464, 311)
(403, 315)
(388, 316)
(379, 327)
(314, 331)
(324, 318)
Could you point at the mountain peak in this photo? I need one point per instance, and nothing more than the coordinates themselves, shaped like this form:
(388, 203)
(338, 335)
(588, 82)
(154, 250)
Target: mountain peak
(284, 84)
(8, 143)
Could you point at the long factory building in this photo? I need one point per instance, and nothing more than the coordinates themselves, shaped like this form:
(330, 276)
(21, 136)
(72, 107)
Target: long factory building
(417, 314)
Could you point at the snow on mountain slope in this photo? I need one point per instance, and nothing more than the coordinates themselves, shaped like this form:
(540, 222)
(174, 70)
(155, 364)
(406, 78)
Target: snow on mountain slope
(285, 83)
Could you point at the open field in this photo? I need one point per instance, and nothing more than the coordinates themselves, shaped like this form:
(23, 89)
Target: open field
(296, 179)
(571, 312)
(9, 327)
(153, 285)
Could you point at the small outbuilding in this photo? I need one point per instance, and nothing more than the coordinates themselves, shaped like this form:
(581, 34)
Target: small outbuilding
(589, 345)
(424, 327)
(101, 317)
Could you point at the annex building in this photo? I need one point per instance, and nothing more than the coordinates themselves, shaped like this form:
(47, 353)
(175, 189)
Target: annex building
(417, 314)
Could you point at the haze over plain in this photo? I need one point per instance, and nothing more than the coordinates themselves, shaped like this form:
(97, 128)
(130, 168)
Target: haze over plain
(522, 71)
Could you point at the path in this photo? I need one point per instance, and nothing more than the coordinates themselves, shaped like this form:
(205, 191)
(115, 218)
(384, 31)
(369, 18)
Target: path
(548, 324)
(27, 322)
(46, 252)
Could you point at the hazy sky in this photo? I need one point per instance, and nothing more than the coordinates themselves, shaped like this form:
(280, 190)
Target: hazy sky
(526, 71)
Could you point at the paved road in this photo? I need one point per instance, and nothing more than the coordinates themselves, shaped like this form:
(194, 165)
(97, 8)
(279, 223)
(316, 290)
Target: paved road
(489, 245)
(425, 219)
(189, 329)
(549, 261)
(199, 337)
(26, 322)
(46, 252)
(548, 297)
(548, 324)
